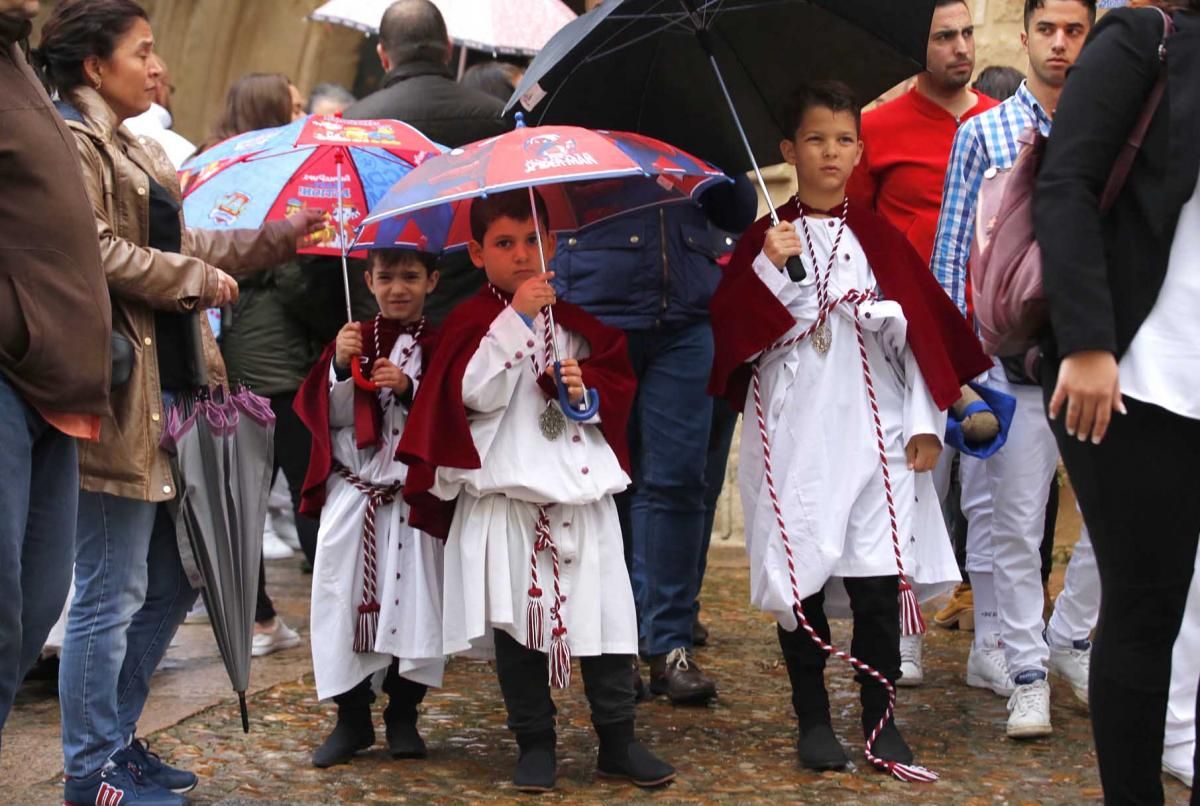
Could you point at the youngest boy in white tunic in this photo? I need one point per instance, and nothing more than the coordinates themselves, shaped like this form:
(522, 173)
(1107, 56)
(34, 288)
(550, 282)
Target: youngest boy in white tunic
(377, 581)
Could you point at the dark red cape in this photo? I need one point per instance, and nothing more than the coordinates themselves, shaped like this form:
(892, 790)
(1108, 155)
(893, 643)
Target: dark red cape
(747, 318)
(438, 434)
(312, 406)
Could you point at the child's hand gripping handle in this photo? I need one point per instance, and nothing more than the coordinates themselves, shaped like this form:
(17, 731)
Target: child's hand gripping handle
(591, 399)
(363, 382)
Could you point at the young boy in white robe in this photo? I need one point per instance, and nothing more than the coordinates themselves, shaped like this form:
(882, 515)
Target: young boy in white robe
(377, 581)
(533, 558)
(844, 375)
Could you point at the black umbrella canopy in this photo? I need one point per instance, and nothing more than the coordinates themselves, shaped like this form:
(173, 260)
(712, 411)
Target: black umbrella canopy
(643, 66)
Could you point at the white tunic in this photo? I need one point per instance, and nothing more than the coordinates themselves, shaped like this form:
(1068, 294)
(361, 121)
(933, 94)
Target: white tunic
(488, 575)
(409, 579)
(824, 453)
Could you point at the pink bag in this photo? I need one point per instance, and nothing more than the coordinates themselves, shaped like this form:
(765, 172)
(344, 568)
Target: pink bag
(1005, 268)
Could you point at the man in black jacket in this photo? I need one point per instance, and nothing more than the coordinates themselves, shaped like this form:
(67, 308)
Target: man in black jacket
(420, 90)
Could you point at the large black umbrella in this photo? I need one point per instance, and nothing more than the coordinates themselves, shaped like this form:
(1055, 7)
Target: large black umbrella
(709, 75)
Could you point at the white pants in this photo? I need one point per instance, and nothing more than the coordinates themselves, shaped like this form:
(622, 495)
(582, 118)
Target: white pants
(1004, 500)
(1185, 671)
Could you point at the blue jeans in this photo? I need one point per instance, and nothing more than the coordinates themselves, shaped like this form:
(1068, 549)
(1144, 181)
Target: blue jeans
(668, 435)
(131, 595)
(39, 486)
(720, 440)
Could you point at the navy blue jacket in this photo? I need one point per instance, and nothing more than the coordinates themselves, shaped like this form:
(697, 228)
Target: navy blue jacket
(654, 268)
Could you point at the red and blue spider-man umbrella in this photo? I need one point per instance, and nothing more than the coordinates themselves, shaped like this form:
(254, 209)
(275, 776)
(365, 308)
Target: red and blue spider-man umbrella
(585, 177)
(313, 162)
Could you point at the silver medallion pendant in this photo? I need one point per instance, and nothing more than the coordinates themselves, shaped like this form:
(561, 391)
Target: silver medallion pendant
(552, 422)
(822, 337)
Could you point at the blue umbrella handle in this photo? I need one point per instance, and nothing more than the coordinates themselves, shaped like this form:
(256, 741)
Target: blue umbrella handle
(591, 399)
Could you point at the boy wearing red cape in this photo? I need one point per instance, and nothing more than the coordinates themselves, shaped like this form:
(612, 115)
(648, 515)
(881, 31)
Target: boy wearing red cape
(534, 561)
(845, 377)
(377, 580)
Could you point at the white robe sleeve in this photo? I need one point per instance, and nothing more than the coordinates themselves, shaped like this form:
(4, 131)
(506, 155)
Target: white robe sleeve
(921, 414)
(496, 368)
(341, 400)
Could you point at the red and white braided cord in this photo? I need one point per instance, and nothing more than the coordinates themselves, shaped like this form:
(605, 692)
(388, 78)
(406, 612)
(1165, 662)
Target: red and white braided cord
(560, 652)
(904, 772)
(386, 395)
(367, 623)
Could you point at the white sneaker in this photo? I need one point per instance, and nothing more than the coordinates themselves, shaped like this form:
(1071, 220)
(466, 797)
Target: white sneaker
(272, 547)
(912, 673)
(1029, 711)
(198, 614)
(1073, 664)
(1177, 762)
(987, 668)
(281, 636)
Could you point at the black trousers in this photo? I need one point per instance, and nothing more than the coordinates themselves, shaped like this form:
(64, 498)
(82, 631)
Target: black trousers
(403, 696)
(292, 444)
(1140, 495)
(876, 641)
(525, 683)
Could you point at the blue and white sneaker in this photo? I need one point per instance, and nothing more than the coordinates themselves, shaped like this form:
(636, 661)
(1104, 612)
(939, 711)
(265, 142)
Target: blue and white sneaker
(155, 769)
(118, 785)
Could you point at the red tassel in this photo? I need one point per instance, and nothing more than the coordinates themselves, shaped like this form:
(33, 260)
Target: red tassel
(911, 773)
(366, 628)
(911, 620)
(560, 659)
(535, 619)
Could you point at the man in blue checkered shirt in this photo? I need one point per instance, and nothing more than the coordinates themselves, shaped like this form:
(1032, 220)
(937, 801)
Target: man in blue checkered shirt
(1004, 498)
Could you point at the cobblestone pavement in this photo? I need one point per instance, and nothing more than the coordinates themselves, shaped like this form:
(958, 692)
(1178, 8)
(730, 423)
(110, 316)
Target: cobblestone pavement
(739, 750)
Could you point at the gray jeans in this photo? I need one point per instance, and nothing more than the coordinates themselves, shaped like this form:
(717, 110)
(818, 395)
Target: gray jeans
(39, 492)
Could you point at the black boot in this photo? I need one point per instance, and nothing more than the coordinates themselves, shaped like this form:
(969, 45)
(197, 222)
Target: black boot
(818, 746)
(537, 764)
(400, 716)
(640, 694)
(353, 731)
(889, 744)
(622, 756)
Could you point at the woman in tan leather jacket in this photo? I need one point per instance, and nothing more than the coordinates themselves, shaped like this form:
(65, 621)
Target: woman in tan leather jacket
(131, 593)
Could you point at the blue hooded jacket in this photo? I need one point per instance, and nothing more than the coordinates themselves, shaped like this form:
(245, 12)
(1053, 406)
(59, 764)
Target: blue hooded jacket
(654, 268)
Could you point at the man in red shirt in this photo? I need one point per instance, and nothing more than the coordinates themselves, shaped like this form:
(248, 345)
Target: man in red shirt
(907, 140)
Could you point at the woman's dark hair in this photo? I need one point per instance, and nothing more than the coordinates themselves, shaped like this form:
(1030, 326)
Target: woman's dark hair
(77, 29)
(496, 78)
(255, 101)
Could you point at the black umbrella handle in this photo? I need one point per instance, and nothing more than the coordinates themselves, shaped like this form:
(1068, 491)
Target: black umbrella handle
(795, 268)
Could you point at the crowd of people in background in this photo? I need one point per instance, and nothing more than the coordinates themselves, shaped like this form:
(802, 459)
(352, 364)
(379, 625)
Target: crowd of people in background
(96, 342)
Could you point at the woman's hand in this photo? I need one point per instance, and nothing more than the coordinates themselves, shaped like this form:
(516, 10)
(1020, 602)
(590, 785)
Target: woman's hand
(227, 290)
(307, 222)
(1089, 382)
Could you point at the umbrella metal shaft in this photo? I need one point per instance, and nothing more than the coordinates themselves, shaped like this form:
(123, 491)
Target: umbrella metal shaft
(342, 241)
(537, 228)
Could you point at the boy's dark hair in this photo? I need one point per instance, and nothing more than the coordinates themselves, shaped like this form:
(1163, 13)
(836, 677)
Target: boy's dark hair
(941, 3)
(1033, 5)
(77, 29)
(832, 95)
(513, 204)
(999, 83)
(384, 258)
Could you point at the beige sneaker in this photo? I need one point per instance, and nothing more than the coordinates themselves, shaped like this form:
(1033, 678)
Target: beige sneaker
(279, 636)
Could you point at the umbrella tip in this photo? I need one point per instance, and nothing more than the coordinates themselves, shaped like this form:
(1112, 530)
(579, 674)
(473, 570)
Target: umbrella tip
(520, 120)
(245, 712)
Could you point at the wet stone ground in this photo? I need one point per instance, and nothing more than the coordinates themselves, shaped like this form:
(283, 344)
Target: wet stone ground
(738, 750)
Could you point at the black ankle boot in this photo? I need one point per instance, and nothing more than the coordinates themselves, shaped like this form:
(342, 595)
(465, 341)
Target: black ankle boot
(353, 732)
(819, 748)
(889, 744)
(537, 764)
(400, 716)
(622, 756)
(403, 739)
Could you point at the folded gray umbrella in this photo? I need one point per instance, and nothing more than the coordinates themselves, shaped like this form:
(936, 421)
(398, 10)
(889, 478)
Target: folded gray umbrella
(221, 456)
